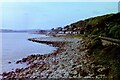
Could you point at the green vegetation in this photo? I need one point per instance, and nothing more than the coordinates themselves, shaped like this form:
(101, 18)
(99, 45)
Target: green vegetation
(107, 56)
(96, 43)
(115, 31)
(105, 25)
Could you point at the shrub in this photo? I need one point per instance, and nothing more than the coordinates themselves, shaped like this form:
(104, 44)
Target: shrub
(96, 42)
(109, 56)
(115, 31)
(95, 46)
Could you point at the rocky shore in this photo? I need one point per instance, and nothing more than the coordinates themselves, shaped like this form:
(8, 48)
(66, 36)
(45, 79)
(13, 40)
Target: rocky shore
(68, 61)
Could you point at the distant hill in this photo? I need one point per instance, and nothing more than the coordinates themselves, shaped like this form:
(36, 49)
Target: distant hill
(8, 30)
(37, 31)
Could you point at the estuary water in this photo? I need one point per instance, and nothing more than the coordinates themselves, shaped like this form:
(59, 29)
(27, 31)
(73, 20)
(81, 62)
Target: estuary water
(15, 46)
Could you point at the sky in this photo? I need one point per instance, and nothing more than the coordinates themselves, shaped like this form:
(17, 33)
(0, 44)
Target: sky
(47, 15)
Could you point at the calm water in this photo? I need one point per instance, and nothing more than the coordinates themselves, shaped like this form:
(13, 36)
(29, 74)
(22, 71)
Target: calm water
(15, 46)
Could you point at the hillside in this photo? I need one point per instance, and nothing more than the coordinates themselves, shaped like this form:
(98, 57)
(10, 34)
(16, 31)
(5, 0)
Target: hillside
(106, 25)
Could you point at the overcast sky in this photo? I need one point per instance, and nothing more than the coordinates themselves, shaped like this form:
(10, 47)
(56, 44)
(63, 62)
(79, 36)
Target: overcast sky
(31, 15)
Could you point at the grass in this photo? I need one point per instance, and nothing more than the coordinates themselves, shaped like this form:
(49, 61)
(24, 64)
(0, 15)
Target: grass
(106, 55)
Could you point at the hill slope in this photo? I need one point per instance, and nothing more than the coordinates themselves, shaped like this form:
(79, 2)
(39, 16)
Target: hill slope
(106, 25)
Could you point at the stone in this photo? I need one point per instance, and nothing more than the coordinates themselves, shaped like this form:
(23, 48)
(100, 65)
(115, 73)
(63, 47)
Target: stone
(18, 62)
(17, 70)
(49, 72)
(73, 66)
(83, 73)
(63, 66)
(55, 68)
(24, 59)
(9, 62)
(75, 72)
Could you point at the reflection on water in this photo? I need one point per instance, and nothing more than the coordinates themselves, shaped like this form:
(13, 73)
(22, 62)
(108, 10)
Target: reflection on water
(15, 46)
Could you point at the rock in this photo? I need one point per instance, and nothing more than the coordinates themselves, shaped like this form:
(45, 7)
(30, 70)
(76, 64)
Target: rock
(74, 76)
(62, 74)
(87, 77)
(43, 69)
(29, 57)
(101, 76)
(33, 65)
(73, 66)
(18, 62)
(49, 72)
(24, 59)
(75, 72)
(55, 62)
(55, 68)
(9, 62)
(63, 66)
(5, 74)
(103, 70)
(18, 70)
(35, 61)
(83, 73)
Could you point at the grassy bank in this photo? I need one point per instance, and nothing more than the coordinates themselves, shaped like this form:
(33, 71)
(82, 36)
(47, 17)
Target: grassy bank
(107, 56)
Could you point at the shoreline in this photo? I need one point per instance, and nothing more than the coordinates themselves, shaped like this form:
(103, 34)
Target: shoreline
(16, 46)
(66, 62)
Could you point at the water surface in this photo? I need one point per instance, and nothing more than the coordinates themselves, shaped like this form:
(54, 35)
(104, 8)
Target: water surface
(15, 46)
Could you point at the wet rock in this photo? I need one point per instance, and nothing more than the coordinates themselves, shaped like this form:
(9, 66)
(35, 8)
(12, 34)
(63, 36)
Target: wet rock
(18, 62)
(5, 74)
(17, 70)
(24, 59)
(9, 62)
(30, 57)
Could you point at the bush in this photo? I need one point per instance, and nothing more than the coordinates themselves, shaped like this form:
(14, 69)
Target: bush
(95, 46)
(109, 56)
(115, 31)
(96, 42)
